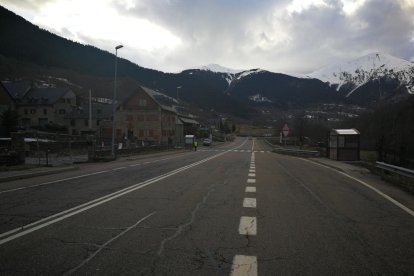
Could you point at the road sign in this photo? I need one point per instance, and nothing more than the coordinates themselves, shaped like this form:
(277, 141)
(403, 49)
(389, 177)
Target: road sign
(285, 130)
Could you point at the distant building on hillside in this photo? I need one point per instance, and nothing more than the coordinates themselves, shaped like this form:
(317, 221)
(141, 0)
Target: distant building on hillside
(40, 107)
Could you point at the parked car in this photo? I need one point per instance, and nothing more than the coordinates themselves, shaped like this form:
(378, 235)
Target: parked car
(207, 142)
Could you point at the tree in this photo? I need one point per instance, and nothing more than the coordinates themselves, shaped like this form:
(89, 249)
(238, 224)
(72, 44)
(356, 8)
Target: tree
(9, 121)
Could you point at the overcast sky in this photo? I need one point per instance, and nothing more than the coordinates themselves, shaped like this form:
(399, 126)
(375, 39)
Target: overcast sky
(278, 35)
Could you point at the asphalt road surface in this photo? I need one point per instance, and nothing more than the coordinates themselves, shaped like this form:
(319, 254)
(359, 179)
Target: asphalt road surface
(233, 209)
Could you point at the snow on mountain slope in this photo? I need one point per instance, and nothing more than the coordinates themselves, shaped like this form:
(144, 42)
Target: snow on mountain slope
(359, 71)
(232, 74)
(219, 69)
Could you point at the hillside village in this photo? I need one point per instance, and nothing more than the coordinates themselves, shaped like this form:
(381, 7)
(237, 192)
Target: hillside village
(143, 117)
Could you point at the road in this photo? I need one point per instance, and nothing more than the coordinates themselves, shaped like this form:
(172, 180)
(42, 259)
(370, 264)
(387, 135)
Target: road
(233, 209)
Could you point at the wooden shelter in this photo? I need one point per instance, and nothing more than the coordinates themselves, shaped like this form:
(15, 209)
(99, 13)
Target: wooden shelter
(344, 144)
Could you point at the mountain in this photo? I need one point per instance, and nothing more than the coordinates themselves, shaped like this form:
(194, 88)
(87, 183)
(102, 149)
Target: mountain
(372, 76)
(262, 87)
(27, 51)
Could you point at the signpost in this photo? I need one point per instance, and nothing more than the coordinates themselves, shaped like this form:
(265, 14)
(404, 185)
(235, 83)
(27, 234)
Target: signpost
(285, 131)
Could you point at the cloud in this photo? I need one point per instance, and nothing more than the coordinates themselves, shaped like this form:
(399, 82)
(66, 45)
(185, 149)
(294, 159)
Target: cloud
(277, 35)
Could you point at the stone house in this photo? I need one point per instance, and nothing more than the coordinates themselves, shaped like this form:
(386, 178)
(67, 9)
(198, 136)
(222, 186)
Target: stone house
(39, 106)
(78, 119)
(46, 106)
(148, 116)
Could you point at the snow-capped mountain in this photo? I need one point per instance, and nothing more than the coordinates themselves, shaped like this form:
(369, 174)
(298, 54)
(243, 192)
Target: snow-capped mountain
(216, 68)
(352, 75)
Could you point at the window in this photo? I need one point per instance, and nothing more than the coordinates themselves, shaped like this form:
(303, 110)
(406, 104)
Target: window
(99, 111)
(129, 118)
(72, 122)
(86, 122)
(142, 102)
(98, 122)
(44, 111)
(151, 132)
(33, 111)
(26, 111)
(62, 111)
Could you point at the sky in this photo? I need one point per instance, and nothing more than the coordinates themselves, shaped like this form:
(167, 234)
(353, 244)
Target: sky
(298, 36)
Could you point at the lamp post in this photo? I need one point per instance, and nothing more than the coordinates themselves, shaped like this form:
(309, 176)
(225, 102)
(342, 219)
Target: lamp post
(113, 101)
(178, 87)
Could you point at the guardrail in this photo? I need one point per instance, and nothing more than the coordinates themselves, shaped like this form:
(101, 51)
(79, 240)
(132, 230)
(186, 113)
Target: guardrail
(395, 169)
(313, 153)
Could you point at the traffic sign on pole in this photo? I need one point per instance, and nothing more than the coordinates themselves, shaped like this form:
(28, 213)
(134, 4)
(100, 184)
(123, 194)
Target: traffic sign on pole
(285, 130)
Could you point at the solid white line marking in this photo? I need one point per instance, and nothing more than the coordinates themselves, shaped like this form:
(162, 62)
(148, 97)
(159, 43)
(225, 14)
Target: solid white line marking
(250, 189)
(29, 228)
(244, 265)
(251, 180)
(120, 168)
(403, 207)
(248, 226)
(249, 202)
(252, 175)
(52, 182)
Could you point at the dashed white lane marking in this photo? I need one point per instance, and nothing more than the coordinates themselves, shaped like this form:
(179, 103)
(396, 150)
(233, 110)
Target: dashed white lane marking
(244, 265)
(251, 180)
(248, 226)
(249, 202)
(252, 171)
(250, 189)
(252, 175)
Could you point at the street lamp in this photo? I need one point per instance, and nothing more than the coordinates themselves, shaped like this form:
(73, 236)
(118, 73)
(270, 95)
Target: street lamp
(177, 91)
(113, 101)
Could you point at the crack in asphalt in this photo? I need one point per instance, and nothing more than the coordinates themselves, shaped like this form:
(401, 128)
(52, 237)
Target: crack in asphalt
(181, 227)
(105, 245)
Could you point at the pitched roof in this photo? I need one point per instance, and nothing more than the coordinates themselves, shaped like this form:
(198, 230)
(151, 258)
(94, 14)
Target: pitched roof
(16, 89)
(165, 102)
(44, 95)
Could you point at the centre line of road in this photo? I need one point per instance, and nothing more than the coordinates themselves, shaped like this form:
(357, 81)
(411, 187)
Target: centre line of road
(248, 226)
(244, 265)
(387, 197)
(250, 189)
(249, 202)
(29, 228)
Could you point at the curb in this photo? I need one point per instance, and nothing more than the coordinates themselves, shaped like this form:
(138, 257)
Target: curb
(327, 165)
(34, 174)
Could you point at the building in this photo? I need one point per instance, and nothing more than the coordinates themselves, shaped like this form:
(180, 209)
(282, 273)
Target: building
(78, 119)
(39, 107)
(6, 99)
(148, 117)
(344, 144)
